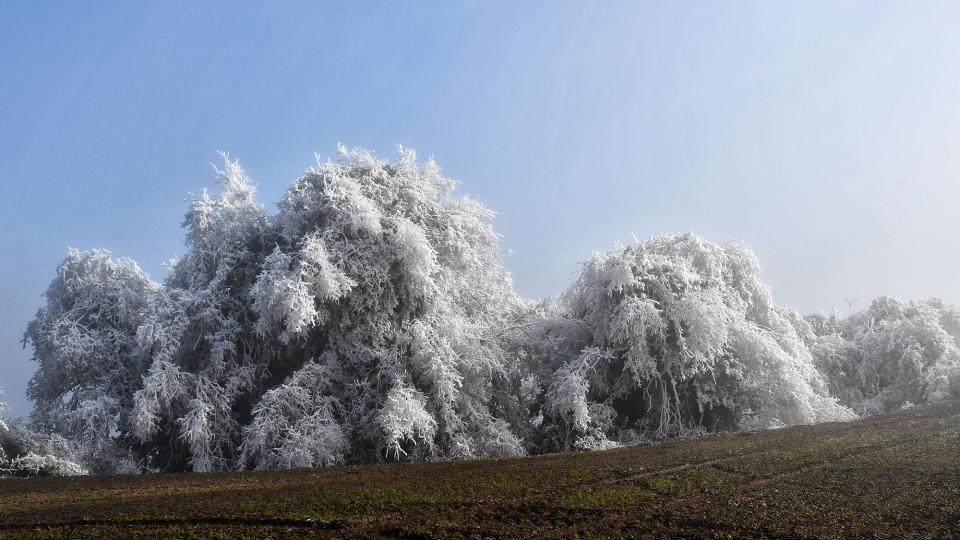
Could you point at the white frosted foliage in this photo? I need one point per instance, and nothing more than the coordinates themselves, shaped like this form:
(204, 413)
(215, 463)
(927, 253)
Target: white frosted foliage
(370, 318)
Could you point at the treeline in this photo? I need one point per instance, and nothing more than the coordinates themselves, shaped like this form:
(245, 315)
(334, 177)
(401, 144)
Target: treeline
(371, 319)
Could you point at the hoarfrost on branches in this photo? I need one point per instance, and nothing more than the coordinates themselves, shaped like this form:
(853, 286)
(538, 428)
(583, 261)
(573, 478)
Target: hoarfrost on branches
(304, 338)
(371, 319)
(84, 341)
(683, 337)
(295, 424)
(893, 353)
(26, 453)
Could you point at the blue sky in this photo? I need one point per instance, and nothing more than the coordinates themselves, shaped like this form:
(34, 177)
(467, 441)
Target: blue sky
(824, 135)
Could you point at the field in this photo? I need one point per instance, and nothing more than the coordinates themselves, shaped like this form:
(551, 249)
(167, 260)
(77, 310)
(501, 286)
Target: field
(890, 477)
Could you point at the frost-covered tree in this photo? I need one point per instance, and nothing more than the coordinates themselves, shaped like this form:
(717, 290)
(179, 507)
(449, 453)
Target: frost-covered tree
(893, 353)
(205, 365)
(386, 284)
(354, 325)
(540, 337)
(84, 342)
(683, 336)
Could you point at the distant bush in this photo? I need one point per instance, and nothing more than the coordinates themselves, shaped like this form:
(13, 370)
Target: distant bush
(26, 453)
(42, 465)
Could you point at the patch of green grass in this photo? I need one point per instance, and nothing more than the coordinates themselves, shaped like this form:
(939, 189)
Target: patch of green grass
(688, 482)
(604, 497)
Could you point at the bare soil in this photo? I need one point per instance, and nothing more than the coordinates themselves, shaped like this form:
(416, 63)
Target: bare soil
(895, 476)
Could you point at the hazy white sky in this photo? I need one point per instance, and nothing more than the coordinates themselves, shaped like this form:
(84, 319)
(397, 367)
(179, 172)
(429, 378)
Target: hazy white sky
(824, 135)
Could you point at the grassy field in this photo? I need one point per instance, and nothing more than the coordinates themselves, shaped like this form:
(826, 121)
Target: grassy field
(890, 477)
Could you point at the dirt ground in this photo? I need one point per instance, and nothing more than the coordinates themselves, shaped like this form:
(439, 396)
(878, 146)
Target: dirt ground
(894, 476)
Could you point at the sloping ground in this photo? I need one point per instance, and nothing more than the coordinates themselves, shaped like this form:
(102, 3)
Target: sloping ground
(891, 477)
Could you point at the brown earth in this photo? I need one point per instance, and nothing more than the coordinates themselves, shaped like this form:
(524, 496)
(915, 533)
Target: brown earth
(894, 476)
